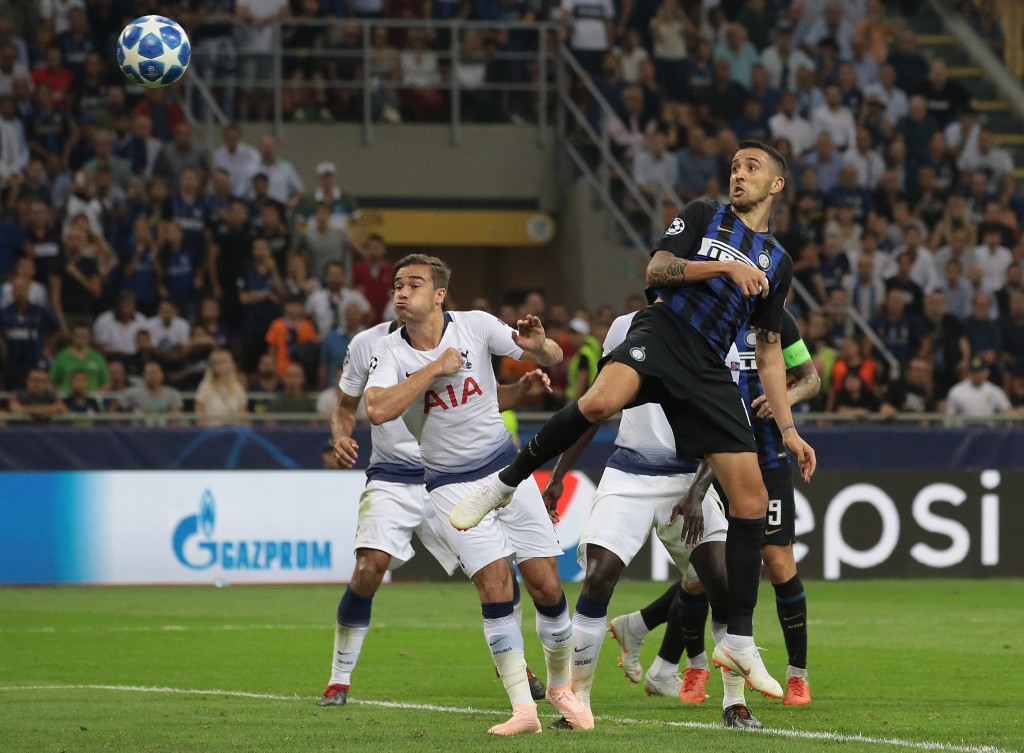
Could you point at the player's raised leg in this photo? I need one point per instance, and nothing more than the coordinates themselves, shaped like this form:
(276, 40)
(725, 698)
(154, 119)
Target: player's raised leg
(615, 387)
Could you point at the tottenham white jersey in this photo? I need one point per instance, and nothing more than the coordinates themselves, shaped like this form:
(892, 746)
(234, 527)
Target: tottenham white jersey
(395, 455)
(645, 443)
(456, 420)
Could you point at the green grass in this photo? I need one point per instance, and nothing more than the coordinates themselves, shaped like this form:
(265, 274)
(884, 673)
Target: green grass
(913, 662)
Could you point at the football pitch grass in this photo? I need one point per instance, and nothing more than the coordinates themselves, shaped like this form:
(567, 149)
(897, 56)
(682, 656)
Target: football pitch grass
(894, 666)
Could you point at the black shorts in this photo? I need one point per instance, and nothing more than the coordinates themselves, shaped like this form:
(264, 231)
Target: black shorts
(780, 526)
(692, 384)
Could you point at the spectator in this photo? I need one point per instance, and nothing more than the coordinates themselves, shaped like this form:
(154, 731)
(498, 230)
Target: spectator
(221, 393)
(1012, 330)
(909, 65)
(283, 183)
(582, 368)
(1014, 284)
(180, 278)
(922, 262)
(835, 119)
(848, 194)
(265, 383)
(782, 60)
(992, 258)
(372, 276)
(854, 398)
(37, 401)
(945, 96)
(864, 290)
(79, 356)
(787, 124)
(334, 343)
(51, 133)
(55, 76)
(758, 20)
(421, 76)
(902, 282)
(170, 334)
(140, 271)
(152, 397)
(942, 339)
(957, 290)
(229, 250)
(164, 114)
(188, 212)
(875, 30)
(259, 293)
(669, 29)
(739, 51)
(976, 396)
(25, 268)
(722, 100)
(291, 338)
(114, 330)
(993, 161)
(695, 165)
(255, 35)
(827, 163)
(656, 170)
(913, 391)
(79, 401)
(893, 97)
(297, 280)
(822, 353)
(11, 68)
(75, 284)
(852, 360)
(751, 124)
(237, 157)
(275, 231)
(328, 307)
(182, 153)
(832, 25)
(917, 130)
(894, 326)
(869, 163)
(26, 327)
(983, 333)
(293, 398)
(43, 241)
(862, 62)
(587, 27)
(14, 152)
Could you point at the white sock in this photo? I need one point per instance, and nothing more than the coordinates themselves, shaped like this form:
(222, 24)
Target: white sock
(661, 668)
(502, 486)
(505, 640)
(348, 642)
(698, 662)
(733, 684)
(587, 637)
(555, 635)
(738, 642)
(792, 671)
(718, 631)
(636, 625)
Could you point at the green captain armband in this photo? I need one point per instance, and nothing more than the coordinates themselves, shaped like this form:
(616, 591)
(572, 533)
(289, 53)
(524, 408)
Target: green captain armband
(796, 354)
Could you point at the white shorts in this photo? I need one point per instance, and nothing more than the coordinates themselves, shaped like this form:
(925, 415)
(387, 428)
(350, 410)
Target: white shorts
(628, 505)
(522, 528)
(389, 513)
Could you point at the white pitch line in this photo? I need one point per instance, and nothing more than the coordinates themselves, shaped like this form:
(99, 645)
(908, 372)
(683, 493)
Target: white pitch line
(834, 737)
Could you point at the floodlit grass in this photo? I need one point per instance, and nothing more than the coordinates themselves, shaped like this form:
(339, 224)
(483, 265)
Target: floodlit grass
(904, 665)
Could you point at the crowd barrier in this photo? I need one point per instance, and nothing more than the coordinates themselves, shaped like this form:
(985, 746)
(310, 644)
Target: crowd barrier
(248, 505)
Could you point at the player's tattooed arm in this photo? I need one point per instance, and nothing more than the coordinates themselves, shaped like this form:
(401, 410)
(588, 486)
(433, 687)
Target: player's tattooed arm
(807, 384)
(768, 337)
(666, 269)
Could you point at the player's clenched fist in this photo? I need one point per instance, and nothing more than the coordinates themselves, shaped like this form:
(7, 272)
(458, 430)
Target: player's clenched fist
(750, 280)
(449, 362)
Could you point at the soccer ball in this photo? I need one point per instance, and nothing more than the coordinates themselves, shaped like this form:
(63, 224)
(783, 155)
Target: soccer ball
(153, 51)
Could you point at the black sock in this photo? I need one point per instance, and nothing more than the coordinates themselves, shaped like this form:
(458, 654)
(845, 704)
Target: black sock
(694, 615)
(656, 613)
(743, 566)
(791, 604)
(555, 437)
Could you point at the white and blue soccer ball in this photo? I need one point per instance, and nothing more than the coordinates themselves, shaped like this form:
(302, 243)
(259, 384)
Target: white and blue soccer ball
(153, 51)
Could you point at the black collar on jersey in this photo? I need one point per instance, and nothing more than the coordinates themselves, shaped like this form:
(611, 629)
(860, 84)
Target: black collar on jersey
(447, 321)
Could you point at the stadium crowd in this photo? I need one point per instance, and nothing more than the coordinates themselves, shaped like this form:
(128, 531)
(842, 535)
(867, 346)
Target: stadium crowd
(137, 265)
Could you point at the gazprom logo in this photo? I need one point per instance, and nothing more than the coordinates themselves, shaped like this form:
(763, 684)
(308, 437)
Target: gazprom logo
(196, 548)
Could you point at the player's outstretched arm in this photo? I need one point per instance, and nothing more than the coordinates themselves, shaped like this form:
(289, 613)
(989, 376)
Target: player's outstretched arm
(343, 421)
(537, 346)
(665, 269)
(385, 404)
(771, 367)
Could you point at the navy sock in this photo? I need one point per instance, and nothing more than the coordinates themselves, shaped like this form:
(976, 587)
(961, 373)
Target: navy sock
(555, 437)
(591, 607)
(656, 613)
(554, 610)
(353, 609)
(791, 604)
(743, 566)
(495, 610)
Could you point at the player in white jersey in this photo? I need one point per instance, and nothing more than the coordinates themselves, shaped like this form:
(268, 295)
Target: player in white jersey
(435, 371)
(392, 507)
(642, 482)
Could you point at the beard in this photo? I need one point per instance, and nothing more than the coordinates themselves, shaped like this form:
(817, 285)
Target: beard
(744, 204)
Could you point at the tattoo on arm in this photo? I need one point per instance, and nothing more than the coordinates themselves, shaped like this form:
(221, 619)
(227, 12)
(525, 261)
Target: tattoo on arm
(808, 383)
(768, 337)
(673, 273)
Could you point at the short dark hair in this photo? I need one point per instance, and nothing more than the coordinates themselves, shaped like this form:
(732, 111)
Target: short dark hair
(440, 273)
(771, 151)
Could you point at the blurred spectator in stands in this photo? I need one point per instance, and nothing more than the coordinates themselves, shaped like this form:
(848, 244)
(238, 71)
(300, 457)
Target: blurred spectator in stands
(833, 264)
(77, 42)
(923, 271)
(910, 65)
(213, 51)
(984, 333)
(297, 279)
(293, 398)
(849, 194)
(75, 283)
(164, 113)
(284, 184)
(254, 33)
(897, 162)
(787, 124)
(265, 381)
(917, 130)
(152, 397)
(873, 119)
(992, 258)
(372, 276)
(901, 281)
(822, 353)
(942, 338)
(869, 163)
(864, 290)
(850, 92)
(275, 231)
(992, 160)
(26, 328)
(259, 292)
(827, 163)
(79, 400)
(862, 63)
(188, 212)
(763, 91)
(758, 19)
(752, 124)
(833, 24)
(304, 97)
(957, 290)
(180, 278)
(782, 60)
(43, 241)
(1014, 284)
(669, 29)
(239, 158)
(478, 104)
(913, 391)
(582, 368)
(894, 326)
(139, 147)
(587, 28)
(633, 127)
(79, 355)
(976, 395)
(11, 67)
(1012, 331)
(334, 344)
(25, 268)
(985, 20)
(344, 211)
(208, 333)
(656, 170)
(114, 330)
(945, 97)
(695, 164)
(51, 132)
(851, 359)
(170, 334)
(893, 97)
(221, 392)
(55, 76)
(140, 272)
(328, 307)
(835, 119)
(721, 102)
(32, 187)
(321, 243)
(826, 63)
(218, 196)
(421, 76)
(182, 153)
(14, 152)
(231, 243)
(37, 400)
(854, 398)
(701, 66)
(739, 51)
